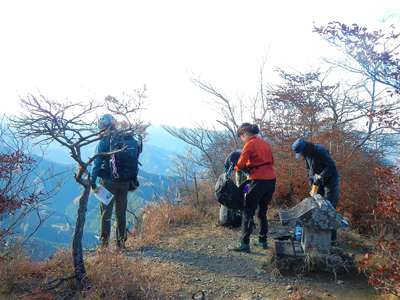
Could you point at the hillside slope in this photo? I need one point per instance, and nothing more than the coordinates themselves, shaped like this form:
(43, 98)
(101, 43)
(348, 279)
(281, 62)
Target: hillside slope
(198, 257)
(181, 254)
(60, 210)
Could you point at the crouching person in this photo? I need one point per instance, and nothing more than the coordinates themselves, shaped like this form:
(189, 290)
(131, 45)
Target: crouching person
(227, 216)
(118, 173)
(257, 160)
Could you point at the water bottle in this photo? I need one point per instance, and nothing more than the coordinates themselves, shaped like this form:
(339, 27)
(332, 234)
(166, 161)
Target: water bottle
(298, 232)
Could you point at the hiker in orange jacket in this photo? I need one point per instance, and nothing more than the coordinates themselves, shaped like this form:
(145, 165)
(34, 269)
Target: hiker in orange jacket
(258, 161)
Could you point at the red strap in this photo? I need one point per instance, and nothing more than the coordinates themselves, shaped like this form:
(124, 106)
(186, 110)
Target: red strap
(260, 165)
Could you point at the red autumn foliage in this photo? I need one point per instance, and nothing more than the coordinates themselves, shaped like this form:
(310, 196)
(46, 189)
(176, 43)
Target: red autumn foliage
(358, 185)
(15, 192)
(304, 106)
(375, 55)
(383, 265)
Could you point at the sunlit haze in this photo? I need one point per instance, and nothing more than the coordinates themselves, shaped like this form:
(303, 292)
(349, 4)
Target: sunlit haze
(88, 49)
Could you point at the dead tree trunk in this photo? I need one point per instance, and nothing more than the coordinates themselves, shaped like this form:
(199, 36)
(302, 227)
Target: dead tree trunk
(77, 249)
(196, 188)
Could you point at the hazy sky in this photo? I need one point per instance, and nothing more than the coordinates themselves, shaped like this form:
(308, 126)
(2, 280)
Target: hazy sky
(88, 49)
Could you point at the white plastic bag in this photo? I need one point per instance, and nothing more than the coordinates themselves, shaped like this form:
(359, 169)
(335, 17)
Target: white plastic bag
(223, 215)
(103, 195)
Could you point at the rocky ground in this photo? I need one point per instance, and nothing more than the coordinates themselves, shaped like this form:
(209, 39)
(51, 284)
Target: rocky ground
(199, 258)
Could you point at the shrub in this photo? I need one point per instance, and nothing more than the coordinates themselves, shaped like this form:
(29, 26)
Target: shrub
(202, 198)
(359, 186)
(383, 265)
(157, 218)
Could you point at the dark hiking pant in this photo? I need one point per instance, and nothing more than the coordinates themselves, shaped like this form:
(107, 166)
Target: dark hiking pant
(120, 199)
(258, 198)
(330, 192)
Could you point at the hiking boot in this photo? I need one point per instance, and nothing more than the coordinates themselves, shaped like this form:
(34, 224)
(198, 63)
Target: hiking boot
(245, 248)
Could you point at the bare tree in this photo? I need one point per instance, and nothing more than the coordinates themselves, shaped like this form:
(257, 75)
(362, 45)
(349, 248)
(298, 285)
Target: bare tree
(185, 167)
(19, 198)
(210, 146)
(371, 53)
(212, 143)
(314, 103)
(233, 112)
(73, 126)
(373, 57)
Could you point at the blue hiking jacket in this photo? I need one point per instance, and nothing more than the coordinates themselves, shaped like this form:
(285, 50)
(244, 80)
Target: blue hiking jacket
(101, 167)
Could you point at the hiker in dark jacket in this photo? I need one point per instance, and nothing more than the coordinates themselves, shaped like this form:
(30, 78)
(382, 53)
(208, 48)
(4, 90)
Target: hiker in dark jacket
(228, 216)
(257, 160)
(321, 170)
(230, 162)
(105, 167)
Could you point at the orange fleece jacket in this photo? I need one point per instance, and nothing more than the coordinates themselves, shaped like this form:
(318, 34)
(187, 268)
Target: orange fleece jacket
(257, 157)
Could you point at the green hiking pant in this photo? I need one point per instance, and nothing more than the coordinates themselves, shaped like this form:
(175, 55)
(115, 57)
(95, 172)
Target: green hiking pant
(120, 199)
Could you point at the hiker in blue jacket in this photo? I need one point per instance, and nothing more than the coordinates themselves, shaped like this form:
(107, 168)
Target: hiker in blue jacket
(118, 173)
(321, 169)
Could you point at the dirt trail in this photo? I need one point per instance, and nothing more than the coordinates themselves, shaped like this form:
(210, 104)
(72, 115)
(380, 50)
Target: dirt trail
(198, 257)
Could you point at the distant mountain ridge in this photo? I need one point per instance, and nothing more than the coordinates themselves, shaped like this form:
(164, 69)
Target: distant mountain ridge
(60, 211)
(155, 177)
(158, 154)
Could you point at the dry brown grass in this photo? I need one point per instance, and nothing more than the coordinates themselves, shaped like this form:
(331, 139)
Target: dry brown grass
(112, 276)
(13, 270)
(116, 276)
(24, 279)
(204, 199)
(296, 295)
(158, 218)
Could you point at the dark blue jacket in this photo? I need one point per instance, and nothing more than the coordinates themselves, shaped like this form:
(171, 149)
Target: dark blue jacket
(232, 160)
(319, 161)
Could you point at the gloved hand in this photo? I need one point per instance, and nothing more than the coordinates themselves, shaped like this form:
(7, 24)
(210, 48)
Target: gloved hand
(317, 179)
(314, 190)
(94, 186)
(246, 188)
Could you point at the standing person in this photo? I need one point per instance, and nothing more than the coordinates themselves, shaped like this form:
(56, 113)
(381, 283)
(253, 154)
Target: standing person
(257, 160)
(321, 171)
(118, 173)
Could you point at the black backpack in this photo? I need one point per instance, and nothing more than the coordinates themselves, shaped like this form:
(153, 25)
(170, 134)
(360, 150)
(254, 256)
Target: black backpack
(227, 193)
(124, 164)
